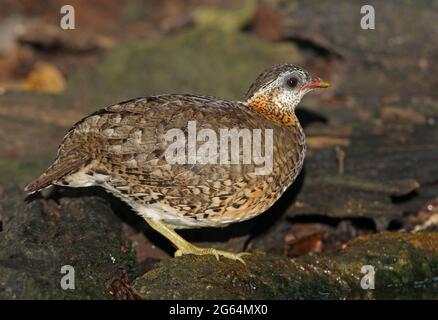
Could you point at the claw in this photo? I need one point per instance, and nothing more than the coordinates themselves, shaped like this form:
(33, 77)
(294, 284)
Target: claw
(211, 251)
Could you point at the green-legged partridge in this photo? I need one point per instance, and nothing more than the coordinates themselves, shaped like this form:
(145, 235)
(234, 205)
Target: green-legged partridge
(188, 161)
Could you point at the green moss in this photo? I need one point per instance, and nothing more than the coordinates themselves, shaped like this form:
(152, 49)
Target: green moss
(230, 19)
(199, 61)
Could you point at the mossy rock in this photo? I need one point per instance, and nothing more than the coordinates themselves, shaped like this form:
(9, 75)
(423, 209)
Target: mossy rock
(400, 260)
(41, 236)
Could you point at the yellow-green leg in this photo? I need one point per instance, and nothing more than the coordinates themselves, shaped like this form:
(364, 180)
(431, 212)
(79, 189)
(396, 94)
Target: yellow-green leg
(185, 247)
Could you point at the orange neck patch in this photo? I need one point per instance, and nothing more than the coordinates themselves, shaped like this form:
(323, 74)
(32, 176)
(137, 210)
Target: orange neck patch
(265, 106)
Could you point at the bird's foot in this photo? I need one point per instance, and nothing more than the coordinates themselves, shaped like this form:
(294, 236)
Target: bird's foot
(185, 247)
(191, 249)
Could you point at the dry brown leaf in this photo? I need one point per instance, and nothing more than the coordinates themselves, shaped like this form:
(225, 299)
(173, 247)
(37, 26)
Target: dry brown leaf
(44, 77)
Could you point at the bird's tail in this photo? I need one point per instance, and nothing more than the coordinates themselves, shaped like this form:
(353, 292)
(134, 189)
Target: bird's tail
(60, 168)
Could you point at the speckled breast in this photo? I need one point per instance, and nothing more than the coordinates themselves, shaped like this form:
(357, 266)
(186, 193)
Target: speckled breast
(262, 191)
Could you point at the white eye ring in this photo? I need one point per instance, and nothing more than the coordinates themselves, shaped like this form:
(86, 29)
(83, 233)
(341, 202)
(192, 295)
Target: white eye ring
(292, 82)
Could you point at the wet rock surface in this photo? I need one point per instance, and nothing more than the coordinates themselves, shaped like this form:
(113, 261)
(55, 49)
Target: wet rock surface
(38, 238)
(401, 260)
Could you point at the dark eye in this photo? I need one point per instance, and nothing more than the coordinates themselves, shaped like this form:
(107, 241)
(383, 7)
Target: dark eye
(292, 82)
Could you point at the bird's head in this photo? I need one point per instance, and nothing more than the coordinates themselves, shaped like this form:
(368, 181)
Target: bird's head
(278, 90)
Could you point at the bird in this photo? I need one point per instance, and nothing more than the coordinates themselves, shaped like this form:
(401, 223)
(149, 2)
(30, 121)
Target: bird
(124, 149)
